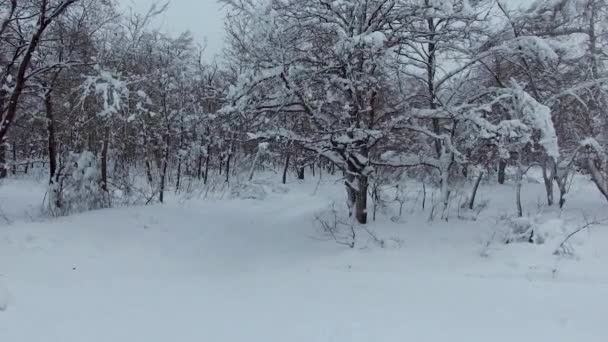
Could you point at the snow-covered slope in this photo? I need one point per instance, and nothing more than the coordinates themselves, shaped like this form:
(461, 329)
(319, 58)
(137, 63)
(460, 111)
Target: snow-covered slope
(249, 270)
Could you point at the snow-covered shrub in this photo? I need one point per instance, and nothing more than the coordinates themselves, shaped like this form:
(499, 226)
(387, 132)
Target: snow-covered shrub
(256, 189)
(382, 191)
(533, 230)
(78, 187)
(337, 226)
(248, 190)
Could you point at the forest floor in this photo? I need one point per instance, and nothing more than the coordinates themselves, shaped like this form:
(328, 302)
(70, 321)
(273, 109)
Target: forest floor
(263, 270)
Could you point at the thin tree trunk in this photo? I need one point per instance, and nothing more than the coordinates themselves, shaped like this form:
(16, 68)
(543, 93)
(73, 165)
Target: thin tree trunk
(320, 171)
(228, 167)
(255, 163)
(9, 113)
(199, 166)
(207, 158)
(356, 187)
(351, 195)
(163, 171)
(518, 185)
(104, 160)
(475, 188)
(179, 174)
(50, 127)
(423, 195)
(561, 178)
(597, 178)
(3, 168)
(445, 192)
(502, 165)
(548, 176)
(431, 73)
(286, 167)
(562, 193)
(179, 158)
(361, 200)
(28, 156)
(52, 146)
(149, 171)
(301, 173)
(14, 166)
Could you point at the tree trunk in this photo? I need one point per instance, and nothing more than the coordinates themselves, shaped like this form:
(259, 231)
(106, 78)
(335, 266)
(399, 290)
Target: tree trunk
(9, 113)
(163, 171)
(548, 176)
(562, 193)
(14, 166)
(50, 128)
(255, 163)
(179, 158)
(104, 160)
(301, 173)
(51, 145)
(3, 168)
(351, 194)
(445, 191)
(361, 200)
(356, 188)
(423, 195)
(286, 167)
(228, 167)
(475, 188)
(561, 178)
(597, 177)
(199, 166)
(519, 179)
(149, 171)
(179, 174)
(28, 155)
(502, 165)
(431, 69)
(207, 158)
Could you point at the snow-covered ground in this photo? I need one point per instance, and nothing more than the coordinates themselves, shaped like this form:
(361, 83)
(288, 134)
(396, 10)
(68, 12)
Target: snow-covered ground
(252, 270)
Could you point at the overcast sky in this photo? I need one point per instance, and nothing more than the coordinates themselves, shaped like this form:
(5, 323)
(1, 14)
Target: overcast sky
(204, 18)
(201, 17)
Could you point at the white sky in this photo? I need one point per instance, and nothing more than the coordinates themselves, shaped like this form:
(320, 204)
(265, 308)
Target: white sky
(203, 18)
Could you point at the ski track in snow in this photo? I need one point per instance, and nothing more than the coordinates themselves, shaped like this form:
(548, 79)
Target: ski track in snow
(247, 270)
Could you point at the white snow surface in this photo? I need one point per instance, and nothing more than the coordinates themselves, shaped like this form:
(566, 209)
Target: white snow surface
(260, 270)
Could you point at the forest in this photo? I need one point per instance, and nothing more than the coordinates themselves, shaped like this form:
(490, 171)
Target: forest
(444, 92)
(407, 114)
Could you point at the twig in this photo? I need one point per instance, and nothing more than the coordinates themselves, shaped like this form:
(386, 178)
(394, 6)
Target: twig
(561, 249)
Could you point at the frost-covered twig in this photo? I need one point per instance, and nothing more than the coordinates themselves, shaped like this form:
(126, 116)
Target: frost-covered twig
(563, 248)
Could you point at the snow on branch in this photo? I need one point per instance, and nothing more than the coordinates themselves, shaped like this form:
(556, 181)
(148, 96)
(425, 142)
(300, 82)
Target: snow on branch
(397, 159)
(109, 88)
(539, 117)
